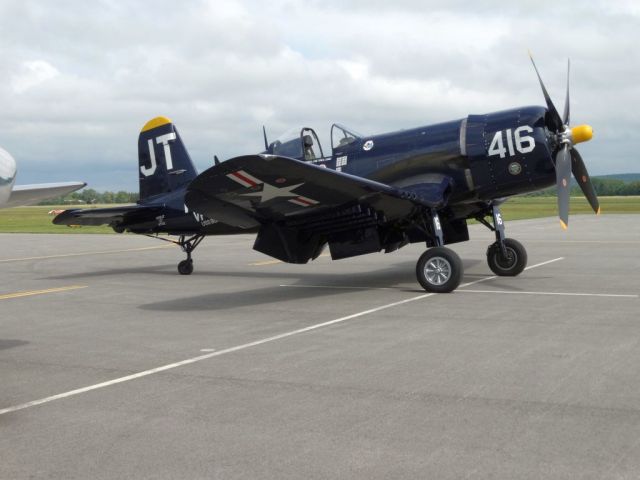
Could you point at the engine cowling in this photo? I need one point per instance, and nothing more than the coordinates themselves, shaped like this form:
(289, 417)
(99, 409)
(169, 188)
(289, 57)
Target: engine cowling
(509, 152)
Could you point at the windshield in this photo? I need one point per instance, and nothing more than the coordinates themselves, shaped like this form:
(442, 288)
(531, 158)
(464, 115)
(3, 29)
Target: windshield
(342, 136)
(302, 144)
(288, 144)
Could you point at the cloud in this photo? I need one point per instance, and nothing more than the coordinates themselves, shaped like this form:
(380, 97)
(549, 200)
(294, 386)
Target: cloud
(32, 74)
(83, 77)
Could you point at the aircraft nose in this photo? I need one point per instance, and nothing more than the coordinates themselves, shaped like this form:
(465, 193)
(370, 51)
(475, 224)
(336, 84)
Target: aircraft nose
(7, 166)
(7, 175)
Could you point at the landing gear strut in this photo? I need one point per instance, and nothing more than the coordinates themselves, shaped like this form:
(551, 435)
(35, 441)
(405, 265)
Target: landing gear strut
(188, 245)
(506, 257)
(439, 269)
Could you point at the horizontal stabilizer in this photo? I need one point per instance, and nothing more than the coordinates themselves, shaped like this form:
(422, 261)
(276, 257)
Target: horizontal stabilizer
(104, 216)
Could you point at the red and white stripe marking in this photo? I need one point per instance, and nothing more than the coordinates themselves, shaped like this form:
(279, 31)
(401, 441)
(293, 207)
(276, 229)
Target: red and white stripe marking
(245, 179)
(303, 201)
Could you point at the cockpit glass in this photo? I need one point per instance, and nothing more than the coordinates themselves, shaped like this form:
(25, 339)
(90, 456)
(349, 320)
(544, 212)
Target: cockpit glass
(342, 136)
(288, 144)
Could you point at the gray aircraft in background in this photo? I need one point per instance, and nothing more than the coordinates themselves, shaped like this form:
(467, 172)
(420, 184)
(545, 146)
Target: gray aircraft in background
(12, 195)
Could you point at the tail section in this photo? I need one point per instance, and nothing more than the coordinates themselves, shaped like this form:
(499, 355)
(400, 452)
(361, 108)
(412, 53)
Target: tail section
(164, 164)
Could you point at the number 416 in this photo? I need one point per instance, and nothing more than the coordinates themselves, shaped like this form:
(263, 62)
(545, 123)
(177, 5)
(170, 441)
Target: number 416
(515, 138)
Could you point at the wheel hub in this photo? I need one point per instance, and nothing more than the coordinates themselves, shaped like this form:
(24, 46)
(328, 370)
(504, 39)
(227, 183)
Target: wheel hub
(437, 270)
(508, 261)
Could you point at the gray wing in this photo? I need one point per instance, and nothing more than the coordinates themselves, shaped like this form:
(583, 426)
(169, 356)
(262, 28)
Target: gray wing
(31, 194)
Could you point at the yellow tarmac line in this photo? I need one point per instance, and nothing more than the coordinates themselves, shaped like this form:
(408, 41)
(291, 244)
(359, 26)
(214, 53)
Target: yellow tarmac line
(63, 255)
(265, 262)
(41, 292)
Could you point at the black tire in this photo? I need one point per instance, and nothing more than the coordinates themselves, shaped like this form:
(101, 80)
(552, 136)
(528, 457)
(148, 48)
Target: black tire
(511, 266)
(185, 267)
(439, 270)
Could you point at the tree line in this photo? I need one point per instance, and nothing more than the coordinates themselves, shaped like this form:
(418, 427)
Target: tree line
(91, 196)
(603, 186)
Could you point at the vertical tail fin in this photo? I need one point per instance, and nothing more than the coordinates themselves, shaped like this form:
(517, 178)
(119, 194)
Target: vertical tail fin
(164, 164)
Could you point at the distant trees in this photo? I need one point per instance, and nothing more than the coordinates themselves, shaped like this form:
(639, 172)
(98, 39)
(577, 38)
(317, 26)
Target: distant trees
(614, 187)
(606, 187)
(91, 196)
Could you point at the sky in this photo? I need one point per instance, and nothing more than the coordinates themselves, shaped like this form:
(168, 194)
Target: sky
(80, 79)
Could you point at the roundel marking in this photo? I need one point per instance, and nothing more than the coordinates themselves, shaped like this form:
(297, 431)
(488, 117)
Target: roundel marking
(515, 168)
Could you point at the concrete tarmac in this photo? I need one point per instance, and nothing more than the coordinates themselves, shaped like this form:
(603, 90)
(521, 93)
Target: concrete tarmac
(114, 366)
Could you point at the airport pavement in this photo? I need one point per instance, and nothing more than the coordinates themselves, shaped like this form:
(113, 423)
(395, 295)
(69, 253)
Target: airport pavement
(114, 366)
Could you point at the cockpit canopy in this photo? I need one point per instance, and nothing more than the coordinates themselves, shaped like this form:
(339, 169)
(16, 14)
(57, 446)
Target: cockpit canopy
(342, 136)
(303, 144)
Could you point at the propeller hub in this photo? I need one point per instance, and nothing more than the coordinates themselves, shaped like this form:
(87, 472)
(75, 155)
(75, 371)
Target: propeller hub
(581, 133)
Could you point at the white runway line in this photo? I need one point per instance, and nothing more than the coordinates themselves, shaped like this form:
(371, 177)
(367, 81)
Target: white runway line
(237, 348)
(601, 242)
(206, 356)
(544, 263)
(566, 294)
(357, 287)
(337, 287)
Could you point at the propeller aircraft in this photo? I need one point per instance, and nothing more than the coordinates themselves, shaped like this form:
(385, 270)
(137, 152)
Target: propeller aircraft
(12, 195)
(370, 194)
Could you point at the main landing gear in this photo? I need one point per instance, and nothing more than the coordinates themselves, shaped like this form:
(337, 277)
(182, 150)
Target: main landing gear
(506, 257)
(188, 245)
(439, 269)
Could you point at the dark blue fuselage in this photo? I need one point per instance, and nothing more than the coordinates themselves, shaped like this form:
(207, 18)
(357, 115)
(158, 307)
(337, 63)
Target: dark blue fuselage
(481, 157)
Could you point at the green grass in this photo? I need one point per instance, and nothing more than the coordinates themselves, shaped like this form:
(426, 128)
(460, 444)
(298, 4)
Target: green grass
(36, 219)
(535, 207)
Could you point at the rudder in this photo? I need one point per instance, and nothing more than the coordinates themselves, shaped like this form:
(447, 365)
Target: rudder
(163, 161)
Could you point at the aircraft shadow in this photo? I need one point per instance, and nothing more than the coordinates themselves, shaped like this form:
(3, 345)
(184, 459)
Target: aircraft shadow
(336, 284)
(165, 270)
(404, 268)
(8, 343)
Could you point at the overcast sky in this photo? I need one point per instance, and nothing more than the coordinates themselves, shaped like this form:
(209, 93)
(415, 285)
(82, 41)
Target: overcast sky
(80, 78)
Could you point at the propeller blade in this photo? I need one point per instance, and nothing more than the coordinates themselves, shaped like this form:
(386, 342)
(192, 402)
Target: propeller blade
(554, 117)
(582, 177)
(565, 117)
(563, 179)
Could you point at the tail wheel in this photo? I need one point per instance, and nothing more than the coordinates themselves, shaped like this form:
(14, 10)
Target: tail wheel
(185, 267)
(439, 270)
(511, 265)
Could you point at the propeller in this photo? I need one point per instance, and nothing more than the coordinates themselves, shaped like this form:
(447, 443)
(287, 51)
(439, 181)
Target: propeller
(567, 158)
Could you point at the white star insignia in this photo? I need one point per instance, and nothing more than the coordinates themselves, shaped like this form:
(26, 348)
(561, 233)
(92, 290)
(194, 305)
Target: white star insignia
(269, 192)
